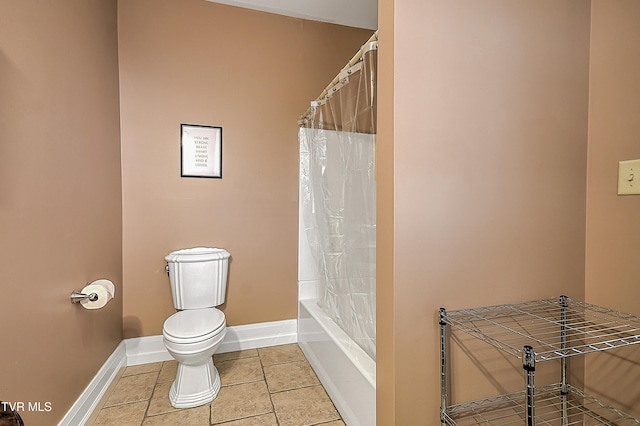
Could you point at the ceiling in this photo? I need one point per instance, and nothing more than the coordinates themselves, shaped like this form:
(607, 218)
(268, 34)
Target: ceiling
(352, 13)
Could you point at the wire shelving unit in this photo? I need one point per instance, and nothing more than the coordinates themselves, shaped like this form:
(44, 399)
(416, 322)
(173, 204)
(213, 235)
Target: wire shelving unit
(539, 331)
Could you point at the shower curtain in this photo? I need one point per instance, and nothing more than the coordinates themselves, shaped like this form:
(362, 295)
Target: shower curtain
(337, 159)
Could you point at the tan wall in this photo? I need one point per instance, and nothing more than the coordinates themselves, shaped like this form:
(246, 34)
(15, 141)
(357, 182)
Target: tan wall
(254, 74)
(490, 144)
(613, 232)
(60, 198)
(385, 306)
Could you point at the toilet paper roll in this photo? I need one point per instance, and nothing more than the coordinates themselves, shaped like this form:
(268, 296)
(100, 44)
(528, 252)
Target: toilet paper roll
(107, 285)
(104, 290)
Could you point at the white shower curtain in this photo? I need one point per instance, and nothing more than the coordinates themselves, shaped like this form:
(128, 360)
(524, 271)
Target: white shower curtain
(337, 159)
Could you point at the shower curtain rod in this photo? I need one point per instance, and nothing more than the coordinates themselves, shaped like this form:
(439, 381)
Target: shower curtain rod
(371, 44)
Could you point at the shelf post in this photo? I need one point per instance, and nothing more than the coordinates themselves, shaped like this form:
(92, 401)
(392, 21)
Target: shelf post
(529, 366)
(564, 384)
(443, 366)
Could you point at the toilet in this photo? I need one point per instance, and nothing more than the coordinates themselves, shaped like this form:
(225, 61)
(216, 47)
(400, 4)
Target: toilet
(192, 335)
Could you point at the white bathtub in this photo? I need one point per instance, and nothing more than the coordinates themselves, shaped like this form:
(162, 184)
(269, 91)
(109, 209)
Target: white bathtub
(345, 370)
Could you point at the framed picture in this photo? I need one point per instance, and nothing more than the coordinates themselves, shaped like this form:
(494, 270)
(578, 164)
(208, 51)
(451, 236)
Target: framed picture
(200, 151)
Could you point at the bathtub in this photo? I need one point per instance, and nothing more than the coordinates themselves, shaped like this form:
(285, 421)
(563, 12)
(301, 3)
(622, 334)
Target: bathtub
(345, 370)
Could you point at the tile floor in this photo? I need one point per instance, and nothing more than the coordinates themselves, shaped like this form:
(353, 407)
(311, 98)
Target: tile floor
(266, 386)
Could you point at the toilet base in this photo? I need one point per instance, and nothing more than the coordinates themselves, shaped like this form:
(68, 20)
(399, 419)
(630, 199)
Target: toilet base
(195, 385)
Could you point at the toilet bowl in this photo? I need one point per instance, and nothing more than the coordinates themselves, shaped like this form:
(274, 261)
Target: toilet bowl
(198, 278)
(191, 338)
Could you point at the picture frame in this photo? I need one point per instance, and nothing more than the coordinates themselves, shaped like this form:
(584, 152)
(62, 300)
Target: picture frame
(200, 151)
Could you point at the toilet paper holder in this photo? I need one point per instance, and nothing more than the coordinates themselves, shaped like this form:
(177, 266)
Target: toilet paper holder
(77, 297)
(94, 295)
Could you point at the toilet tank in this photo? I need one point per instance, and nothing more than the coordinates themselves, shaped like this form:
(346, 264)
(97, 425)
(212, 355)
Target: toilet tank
(198, 277)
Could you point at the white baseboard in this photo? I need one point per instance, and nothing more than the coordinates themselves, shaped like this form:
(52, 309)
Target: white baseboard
(145, 350)
(90, 397)
(260, 335)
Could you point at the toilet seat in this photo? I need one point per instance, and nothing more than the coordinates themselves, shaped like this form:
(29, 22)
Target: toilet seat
(194, 325)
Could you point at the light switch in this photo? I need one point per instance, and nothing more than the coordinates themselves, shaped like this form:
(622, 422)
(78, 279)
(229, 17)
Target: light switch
(629, 177)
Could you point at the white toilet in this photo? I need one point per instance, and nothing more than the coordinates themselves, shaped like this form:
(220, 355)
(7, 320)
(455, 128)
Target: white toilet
(198, 284)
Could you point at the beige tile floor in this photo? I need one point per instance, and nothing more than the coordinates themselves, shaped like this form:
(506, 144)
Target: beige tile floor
(266, 386)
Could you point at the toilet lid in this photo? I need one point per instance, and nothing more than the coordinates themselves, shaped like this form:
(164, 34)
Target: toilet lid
(193, 324)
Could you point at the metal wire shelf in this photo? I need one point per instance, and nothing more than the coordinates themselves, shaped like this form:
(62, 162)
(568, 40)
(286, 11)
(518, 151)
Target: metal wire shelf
(540, 324)
(509, 409)
(541, 330)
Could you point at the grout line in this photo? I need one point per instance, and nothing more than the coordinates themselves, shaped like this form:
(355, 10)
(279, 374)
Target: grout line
(264, 380)
(273, 407)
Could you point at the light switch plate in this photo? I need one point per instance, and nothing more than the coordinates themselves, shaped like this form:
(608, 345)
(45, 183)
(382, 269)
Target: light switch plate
(629, 177)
